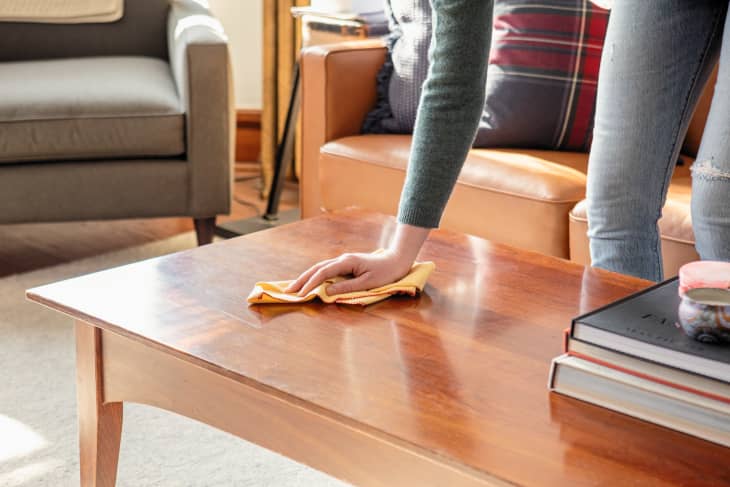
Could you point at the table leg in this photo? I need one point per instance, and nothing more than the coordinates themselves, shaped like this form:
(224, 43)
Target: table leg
(100, 423)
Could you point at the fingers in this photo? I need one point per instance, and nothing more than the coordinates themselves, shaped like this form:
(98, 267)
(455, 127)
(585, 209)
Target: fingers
(336, 268)
(297, 285)
(359, 283)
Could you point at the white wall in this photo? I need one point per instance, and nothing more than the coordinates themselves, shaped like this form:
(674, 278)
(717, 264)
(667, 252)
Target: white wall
(243, 22)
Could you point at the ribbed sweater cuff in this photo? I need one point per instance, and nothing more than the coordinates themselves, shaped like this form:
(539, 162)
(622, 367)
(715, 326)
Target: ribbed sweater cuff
(418, 218)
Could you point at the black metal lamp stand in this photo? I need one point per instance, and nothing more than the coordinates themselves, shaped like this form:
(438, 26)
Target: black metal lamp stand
(284, 157)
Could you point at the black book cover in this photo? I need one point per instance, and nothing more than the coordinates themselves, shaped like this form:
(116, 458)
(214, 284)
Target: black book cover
(650, 316)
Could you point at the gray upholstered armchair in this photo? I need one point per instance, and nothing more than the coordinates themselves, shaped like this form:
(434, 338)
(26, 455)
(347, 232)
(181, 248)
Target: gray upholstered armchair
(129, 119)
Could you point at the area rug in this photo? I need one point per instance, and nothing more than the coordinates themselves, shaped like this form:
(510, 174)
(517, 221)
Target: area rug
(38, 423)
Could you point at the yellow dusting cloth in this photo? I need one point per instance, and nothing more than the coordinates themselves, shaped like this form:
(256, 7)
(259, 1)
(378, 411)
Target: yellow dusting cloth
(413, 283)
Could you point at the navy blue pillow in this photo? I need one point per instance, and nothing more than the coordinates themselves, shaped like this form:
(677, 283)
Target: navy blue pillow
(404, 71)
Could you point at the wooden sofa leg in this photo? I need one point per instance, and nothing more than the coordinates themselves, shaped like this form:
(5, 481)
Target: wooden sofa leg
(204, 229)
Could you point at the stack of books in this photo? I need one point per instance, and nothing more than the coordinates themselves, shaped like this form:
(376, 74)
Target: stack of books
(631, 357)
(322, 26)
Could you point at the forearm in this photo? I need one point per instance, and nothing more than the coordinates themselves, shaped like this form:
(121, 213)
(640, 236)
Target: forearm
(449, 110)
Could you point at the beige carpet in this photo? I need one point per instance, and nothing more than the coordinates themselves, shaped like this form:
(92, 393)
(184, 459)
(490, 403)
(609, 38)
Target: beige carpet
(38, 427)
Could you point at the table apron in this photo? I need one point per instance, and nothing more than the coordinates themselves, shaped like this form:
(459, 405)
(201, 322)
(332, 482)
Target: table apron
(136, 372)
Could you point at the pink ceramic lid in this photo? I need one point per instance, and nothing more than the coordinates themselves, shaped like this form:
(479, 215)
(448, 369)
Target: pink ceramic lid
(705, 273)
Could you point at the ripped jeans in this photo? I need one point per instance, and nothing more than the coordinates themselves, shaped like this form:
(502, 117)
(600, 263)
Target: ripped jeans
(657, 57)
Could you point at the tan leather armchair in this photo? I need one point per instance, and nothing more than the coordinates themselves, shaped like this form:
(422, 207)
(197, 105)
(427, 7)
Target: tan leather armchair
(128, 119)
(530, 199)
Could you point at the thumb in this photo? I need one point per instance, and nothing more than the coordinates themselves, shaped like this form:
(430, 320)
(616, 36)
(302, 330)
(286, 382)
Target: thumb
(349, 286)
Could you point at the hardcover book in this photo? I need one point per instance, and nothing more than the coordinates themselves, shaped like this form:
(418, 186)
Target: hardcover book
(662, 374)
(641, 398)
(644, 325)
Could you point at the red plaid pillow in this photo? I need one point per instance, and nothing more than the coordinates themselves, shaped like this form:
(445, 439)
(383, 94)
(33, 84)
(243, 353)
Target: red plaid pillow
(543, 73)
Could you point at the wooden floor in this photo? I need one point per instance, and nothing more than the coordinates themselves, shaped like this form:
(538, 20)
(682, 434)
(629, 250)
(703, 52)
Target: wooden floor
(28, 247)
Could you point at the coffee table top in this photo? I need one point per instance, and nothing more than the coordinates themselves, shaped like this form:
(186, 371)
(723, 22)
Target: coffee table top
(459, 373)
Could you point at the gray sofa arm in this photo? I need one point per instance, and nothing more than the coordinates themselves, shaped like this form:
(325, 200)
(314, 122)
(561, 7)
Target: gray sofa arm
(200, 64)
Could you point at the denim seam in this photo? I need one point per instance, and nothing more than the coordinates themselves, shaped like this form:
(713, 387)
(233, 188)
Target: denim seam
(692, 87)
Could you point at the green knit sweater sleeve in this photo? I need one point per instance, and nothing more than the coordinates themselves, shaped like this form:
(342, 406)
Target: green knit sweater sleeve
(450, 108)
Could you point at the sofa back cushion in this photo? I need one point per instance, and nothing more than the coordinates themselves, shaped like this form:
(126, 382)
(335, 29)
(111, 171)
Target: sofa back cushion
(142, 31)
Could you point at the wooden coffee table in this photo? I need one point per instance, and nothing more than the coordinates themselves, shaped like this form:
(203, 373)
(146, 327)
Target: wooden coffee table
(448, 389)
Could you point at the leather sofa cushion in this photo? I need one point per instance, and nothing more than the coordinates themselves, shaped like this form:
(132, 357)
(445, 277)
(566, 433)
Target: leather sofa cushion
(675, 226)
(534, 174)
(518, 197)
(105, 107)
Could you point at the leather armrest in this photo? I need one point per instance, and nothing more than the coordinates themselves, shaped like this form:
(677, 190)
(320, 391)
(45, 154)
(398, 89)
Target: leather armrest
(338, 89)
(200, 63)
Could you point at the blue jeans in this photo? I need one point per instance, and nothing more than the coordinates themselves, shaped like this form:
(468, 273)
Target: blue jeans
(657, 57)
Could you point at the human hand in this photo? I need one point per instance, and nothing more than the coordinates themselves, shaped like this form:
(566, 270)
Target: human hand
(368, 271)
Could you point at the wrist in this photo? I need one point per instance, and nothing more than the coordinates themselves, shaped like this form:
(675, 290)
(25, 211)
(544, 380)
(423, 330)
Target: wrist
(407, 242)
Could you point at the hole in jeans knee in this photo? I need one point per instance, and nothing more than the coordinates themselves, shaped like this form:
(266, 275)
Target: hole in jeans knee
(707, 170)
